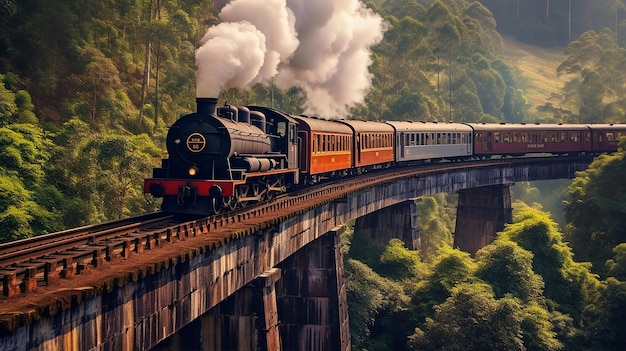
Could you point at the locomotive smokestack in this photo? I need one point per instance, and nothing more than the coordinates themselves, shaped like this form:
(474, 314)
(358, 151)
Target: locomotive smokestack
(207, 105)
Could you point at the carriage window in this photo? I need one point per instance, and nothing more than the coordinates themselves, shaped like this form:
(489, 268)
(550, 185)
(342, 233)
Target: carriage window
(534, 138)
(479, 138)
(564, 136)
(553, 137)
(609, 136)
(600, 137)
(507, 137)
(496, 137)
(516, 137)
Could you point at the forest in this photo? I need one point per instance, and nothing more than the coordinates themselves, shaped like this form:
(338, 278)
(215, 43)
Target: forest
(88, 90)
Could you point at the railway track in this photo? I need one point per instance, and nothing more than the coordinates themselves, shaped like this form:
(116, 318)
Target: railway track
(33, 262)
(26, 264)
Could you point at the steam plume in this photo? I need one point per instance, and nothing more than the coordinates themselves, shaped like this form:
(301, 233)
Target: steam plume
(321, 46)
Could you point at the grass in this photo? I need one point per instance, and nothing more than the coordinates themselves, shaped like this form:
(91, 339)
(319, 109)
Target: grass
(537, 68)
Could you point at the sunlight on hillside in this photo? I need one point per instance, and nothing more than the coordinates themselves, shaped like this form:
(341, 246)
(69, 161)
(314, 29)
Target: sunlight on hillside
(537, 68)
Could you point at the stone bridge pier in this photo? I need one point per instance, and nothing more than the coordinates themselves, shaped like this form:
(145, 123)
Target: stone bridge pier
(299, 305)
(481, 213)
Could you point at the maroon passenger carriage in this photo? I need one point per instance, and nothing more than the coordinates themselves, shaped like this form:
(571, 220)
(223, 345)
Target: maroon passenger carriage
(605, 137)
(520, 139)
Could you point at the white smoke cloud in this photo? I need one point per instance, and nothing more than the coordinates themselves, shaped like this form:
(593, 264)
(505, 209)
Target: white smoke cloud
(321, 46)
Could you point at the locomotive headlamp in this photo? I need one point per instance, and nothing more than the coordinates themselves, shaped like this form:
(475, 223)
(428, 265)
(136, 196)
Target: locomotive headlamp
(193, 171)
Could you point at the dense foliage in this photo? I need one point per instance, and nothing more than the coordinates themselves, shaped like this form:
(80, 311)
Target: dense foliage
(522, 292)
(596, 213)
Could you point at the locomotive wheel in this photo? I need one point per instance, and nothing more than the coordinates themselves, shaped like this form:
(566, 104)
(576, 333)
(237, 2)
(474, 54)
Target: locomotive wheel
(216, 205)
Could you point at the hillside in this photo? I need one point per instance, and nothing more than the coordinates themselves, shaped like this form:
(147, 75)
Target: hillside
(537, 68)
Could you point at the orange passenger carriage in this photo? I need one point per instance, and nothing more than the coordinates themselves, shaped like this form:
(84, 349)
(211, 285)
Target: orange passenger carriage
(325, 148)
(372, 145)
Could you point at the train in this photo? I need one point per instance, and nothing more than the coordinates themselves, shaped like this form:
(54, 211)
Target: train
(222, 158)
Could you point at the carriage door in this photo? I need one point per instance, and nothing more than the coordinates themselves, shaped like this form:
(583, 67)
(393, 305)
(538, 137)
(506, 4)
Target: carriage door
(304, 146)
(358, 148)
(489, 141)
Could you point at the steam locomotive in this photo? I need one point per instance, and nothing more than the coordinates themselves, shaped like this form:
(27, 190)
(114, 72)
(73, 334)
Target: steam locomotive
(222, 158)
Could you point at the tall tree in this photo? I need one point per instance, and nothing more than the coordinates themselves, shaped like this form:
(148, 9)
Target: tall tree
(471, 319)
(595, 209)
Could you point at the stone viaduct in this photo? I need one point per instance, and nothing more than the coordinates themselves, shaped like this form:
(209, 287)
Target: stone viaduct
(278, 289)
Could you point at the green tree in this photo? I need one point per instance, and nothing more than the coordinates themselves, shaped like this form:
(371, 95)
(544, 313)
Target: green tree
(471, 319)
(592, 61)
(616, 266)
(508, 269)
(595, 209)
(119, 164)
(8, 107)
(538, 329)
(98, 81)
(569, 284)
(607, 317)
(24, 212)
(397, 262)
(371, 296)
(435, 226)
